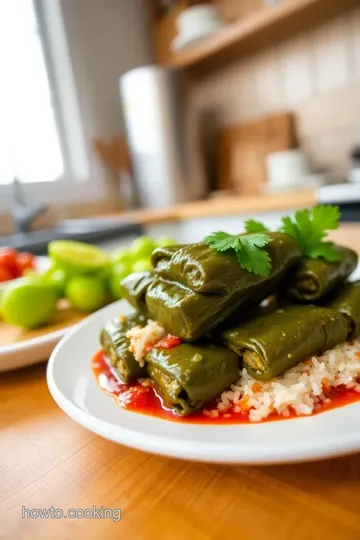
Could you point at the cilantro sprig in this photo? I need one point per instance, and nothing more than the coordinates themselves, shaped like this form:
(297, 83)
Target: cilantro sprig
(253, 226)
(247, 247)
(309, 228)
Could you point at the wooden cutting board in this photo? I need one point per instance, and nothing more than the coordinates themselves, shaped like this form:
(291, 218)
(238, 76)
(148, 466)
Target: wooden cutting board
(65, 316)
(242, 151)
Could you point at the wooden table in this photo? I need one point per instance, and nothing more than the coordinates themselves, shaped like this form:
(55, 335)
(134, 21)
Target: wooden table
(48, 460)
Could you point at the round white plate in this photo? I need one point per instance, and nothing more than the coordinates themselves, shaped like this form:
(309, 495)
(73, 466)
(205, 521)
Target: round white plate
(31, 351)
(73, 386)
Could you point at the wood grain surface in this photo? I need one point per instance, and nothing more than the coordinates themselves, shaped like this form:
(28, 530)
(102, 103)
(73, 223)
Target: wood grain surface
(48, 460)
(227, 203)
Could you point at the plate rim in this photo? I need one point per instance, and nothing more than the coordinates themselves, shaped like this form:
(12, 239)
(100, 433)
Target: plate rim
(200, 451)
(31, 343)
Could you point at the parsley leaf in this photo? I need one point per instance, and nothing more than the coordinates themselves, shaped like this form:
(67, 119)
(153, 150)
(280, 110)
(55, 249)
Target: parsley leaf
(248, 250)
(309, 228)
(253, 226)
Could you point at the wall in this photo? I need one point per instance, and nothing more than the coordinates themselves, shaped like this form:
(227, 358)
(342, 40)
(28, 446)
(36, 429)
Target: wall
(316, 74)
(107, 38)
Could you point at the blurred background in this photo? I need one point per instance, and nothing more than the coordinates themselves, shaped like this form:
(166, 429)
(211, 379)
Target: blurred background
(137, 112)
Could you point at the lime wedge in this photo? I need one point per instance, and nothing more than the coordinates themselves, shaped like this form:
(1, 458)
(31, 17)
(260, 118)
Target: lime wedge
(77, 257)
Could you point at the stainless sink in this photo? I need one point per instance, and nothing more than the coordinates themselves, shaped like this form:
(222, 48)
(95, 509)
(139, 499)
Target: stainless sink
(85, 230)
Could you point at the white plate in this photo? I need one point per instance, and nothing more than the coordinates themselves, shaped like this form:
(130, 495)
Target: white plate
(73, 386)
(31, 351)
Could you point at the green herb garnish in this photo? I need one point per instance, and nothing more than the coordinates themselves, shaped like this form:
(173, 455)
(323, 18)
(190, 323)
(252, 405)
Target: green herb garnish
(309, 228)
(247, 248)
(253, 226)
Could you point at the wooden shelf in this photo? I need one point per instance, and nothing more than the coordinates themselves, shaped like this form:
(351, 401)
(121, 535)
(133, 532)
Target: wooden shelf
(260, 29)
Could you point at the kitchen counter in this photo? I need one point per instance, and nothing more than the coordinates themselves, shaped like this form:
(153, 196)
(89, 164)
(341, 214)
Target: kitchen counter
(223, 205)
(48, 460)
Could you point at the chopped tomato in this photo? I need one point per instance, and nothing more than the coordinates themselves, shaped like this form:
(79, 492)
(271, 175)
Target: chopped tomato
(168, 342)
(8, 261)
(5, 274)
(25, 261)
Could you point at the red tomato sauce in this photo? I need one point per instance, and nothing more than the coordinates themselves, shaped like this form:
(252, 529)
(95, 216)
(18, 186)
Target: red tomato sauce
(142, 399)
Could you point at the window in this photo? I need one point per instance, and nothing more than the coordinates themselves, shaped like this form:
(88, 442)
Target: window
(29, 137)
(45, 128)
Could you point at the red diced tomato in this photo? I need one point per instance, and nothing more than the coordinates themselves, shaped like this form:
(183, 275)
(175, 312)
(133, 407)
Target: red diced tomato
(168, 342)
(8, 261)
(25, 261)
(5, 274)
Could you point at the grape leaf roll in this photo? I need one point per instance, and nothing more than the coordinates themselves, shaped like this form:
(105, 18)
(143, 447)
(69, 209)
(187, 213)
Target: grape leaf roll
(133, 289)
(346, 299)
(270, 344)
(314, 278)
(190, 314)
(116, 346)
(189, 376)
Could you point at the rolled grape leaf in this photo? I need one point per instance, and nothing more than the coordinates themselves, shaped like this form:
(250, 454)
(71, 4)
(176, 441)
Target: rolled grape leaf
(116, 346)
(204, 270)
(314, 278)
(190, 314)
(133, 289)
(189, 376)
(346, 299)
(270, 344)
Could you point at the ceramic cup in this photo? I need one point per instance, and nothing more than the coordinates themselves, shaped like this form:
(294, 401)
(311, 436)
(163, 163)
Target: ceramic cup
(287, 168)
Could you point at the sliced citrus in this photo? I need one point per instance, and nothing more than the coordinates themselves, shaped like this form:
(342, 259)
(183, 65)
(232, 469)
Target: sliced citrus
(77, 257)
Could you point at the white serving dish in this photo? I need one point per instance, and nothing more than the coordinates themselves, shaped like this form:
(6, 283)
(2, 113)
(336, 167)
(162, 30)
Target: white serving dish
(73, 386)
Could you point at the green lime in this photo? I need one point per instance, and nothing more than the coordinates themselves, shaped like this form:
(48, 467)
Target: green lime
(104, 273)
(119, 271)
(28, 303)
(115, 287)
(142, 266)
(77, 257)
(121, 254)
(142, 247)
(86, 293)
(57, 277)
(165, 241)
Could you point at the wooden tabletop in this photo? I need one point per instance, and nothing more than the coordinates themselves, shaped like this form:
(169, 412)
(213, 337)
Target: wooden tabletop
(224, 204)
(47, 460)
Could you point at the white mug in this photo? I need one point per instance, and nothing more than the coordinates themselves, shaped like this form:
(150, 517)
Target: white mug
(287, 168)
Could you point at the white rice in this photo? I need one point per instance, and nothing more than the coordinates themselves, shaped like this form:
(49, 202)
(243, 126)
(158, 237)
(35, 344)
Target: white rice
(301, 389)
(141, 338)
